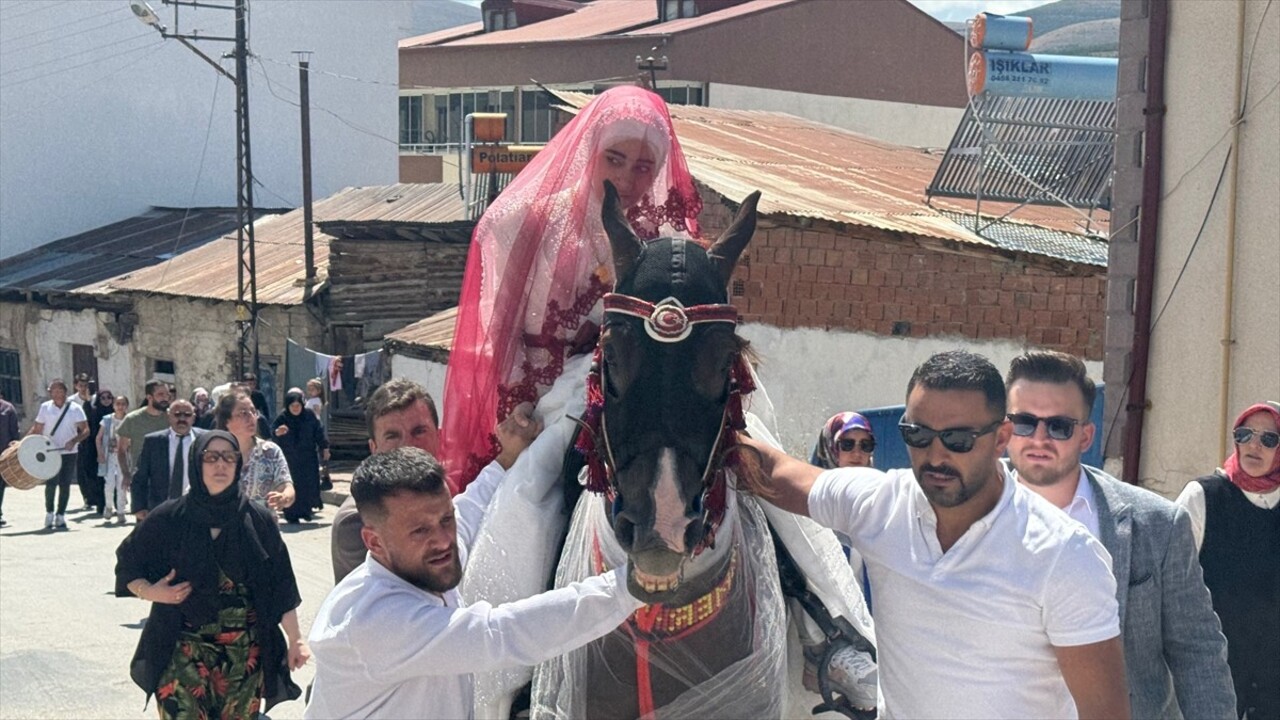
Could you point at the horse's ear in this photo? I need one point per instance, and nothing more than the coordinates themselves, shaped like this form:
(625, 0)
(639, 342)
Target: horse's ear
(622, 239)
(724, 253)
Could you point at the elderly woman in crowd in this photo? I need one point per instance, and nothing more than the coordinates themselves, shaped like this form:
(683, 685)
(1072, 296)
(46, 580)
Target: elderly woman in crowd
(300, 435)
(221, 586)
(266, 475)
(1235, 517)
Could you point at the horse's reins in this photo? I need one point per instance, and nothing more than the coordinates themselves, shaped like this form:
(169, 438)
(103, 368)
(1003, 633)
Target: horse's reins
(669, 321)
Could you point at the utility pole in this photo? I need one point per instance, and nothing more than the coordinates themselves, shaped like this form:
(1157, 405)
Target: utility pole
(304, 101)
(246, 265)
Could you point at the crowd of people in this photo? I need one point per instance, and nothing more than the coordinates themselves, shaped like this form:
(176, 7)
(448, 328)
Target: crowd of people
(1005, 578)
(130, 461)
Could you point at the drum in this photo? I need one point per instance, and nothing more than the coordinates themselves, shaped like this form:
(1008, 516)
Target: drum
(31, 462)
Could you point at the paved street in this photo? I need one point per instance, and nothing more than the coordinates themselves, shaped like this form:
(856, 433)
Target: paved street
(66, 640)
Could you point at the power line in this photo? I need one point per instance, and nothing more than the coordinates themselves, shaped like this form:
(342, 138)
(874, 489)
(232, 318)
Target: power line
(60, 58)
(63, 25)
(74, 67)
(117, 21)
(340, 76)
(213, 104)
(38, 7)
(72, 92)
(339, 118)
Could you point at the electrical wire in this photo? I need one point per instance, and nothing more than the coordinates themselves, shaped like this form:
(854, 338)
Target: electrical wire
(60, 58)
(63, 26)
(87, 62)
(74, 92)
(271, 89)
(213, 104)
(38, 7)
(117, 21)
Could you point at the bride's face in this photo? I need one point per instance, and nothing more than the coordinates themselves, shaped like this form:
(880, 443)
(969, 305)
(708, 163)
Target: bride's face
(629, 165)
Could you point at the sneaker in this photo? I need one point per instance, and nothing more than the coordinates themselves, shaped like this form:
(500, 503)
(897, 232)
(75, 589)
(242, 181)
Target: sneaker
(853, 674)
(109, 511)
(60, 521)
(3, 522)
(48, 521)
(121, 518)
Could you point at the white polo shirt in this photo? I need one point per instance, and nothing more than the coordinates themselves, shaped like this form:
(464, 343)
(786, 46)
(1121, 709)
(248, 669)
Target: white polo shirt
(48, 416)
(970, 633)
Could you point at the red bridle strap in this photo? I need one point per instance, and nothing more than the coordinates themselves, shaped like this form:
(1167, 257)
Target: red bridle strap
(669, 321)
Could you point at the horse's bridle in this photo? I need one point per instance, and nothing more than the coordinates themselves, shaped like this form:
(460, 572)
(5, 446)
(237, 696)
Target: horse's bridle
(669, 321)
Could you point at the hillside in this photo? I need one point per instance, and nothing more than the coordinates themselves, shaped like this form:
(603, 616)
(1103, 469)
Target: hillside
(1048, 18)
(431, 15)
(1099, 38)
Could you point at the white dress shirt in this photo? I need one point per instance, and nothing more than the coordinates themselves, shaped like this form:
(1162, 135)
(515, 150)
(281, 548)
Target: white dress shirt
(970, 632)
(185, 441)
(386, 648)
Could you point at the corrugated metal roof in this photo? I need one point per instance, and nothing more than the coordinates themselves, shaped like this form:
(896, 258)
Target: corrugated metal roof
(434, 331)
(210, 271)
(1037, 240)
(441, 36)
(88, 258)
(808, 169)
(672, 27)
(595, 19)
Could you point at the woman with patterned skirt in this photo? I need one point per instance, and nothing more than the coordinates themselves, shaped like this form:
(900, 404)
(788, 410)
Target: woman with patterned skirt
(218, 575)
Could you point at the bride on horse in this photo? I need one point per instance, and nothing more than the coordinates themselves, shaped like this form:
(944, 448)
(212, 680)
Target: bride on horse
(529, 316)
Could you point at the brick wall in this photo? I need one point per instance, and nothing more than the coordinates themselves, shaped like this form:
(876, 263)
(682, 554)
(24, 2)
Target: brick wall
(862, 279)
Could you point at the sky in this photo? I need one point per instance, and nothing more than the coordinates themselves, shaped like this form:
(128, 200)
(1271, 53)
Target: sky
(949, 10)
(958, 10)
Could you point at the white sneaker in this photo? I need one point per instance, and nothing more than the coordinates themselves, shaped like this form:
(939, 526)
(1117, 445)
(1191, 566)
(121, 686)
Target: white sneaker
(48, 521)
(853, 674)
(60, 521)
(108, 511)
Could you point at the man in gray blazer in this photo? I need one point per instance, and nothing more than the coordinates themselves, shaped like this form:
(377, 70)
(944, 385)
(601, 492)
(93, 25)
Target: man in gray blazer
(1175, 653)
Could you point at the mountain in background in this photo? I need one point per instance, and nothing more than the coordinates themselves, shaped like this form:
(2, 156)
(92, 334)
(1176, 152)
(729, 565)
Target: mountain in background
(1076, 27)
(429, 16)
(1072, 27)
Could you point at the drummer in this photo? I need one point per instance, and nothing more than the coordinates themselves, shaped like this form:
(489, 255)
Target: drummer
(65, 424)
(9, 433)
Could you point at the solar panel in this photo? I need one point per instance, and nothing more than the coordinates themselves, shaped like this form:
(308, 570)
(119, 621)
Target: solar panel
(1031, 150)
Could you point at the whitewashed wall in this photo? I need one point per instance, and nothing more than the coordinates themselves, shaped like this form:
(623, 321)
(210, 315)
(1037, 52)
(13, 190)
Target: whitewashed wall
(812, 374)
(84, 146)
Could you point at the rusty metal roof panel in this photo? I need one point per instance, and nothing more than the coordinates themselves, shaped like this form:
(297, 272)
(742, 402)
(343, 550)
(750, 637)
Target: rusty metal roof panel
(813, 170)
(435, 331)
(210, 271)
(442, 36)
(595, 19)
(672, 27)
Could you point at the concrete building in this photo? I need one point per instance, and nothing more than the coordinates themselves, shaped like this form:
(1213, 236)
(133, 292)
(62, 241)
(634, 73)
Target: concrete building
(881, 68)
(852, 280)
(102, 118)
(1196, 198)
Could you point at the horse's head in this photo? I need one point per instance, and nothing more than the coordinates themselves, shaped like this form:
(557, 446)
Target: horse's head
(669, 353)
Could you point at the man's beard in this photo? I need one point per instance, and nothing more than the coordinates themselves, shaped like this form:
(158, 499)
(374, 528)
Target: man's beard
(435, 582)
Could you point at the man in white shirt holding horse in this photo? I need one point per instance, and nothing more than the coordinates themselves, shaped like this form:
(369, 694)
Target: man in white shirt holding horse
(989, 601)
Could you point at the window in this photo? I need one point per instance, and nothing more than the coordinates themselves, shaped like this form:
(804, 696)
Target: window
(411, 131)
(495, 20)
(687, 95)
(676, 9)
(163, 370)
(11, 376)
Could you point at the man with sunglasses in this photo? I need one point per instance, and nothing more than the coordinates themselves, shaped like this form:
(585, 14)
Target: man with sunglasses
(162, 464)
(989, 602)
(1175, 652)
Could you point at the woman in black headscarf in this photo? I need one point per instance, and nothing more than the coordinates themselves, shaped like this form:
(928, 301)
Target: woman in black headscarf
(301, 436)
(218, 575)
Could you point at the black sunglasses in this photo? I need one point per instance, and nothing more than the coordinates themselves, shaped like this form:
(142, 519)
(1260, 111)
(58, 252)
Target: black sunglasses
(958, 440)
(1059, 427)
(1268, 439)
(868, 445)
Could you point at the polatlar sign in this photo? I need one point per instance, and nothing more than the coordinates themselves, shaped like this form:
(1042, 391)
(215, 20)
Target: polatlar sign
(999, 65)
